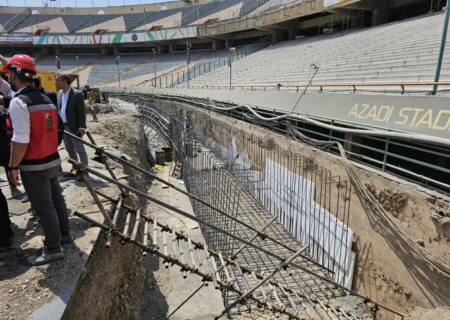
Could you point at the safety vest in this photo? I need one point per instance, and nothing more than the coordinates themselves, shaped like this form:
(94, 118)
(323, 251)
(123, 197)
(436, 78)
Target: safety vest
(42, 152)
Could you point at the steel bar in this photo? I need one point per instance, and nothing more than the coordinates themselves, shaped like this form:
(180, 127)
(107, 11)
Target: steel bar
(260, 276)
(104, 161)
(178, 263)
(115, 218)
(274, 272)
(211, 271)
(200, 261)
(223, 266)
(291, 302)
(114, 200)
(174, 244)
(253, 238)
(335, 284)
(97, 201)
(275, 294)
(263, 292)
(155, 230)
(136, 226)
(215, 273)
(122, 161)
(186, 300)
(127, 226)
(166, 263)
(191, 252)
(183, 213)
(313, 305)
(183, 270)
(145, 237)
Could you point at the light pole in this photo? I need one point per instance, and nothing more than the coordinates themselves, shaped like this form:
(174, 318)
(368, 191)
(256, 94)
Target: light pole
(154, 63)
(441, 48)
(188, 57)
(78, 70)
(118, 70)
(230, 60)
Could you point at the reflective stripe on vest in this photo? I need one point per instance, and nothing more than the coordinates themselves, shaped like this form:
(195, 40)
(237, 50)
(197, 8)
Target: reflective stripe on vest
(42, 152)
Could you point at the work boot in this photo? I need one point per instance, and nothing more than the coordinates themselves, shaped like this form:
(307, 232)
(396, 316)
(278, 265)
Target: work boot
(45, 256)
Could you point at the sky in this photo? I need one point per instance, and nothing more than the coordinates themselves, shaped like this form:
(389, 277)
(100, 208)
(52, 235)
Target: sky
(76, 3)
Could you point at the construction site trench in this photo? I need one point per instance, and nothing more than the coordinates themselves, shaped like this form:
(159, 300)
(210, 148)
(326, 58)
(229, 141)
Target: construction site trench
(225, 225)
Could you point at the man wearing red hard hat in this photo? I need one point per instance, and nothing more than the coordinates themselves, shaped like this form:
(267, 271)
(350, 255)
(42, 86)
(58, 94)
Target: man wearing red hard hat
(34, 152)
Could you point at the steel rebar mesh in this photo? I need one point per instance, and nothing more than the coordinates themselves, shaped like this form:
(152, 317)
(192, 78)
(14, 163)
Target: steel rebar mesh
(237, 182)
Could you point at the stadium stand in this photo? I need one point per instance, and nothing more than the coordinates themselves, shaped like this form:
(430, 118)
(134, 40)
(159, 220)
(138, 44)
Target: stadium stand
(272, 4)
(167, 18)
(54, 22)
(401, 51)
(111, 22)
(218, 60)
(108, 67)
(224, 11)
(10, 20)
(164, 64)
(68, 63)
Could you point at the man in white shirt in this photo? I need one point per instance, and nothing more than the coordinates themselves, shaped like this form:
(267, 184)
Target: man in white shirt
(34, 152)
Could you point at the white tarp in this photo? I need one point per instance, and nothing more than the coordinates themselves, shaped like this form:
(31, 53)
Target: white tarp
(291, 198)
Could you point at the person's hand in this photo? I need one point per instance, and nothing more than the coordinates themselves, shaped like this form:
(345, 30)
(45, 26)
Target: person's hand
(14, 177)
(81, 132)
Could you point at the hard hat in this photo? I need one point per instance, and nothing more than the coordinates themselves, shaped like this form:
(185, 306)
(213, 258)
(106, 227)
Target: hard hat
(21, 63)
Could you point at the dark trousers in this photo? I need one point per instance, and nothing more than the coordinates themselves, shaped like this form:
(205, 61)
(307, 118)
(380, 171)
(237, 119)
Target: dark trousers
(45, 195)
(5, 222)
(7, 176)
(75, 148)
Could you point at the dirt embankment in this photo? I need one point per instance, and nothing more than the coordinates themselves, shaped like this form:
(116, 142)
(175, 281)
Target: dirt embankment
(115, 280)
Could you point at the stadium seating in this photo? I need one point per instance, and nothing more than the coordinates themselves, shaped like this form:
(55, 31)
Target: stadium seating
(9, 20)
(108, 67)
(164, 64)
(272, 4)
(68, 63)
(402, 51)
(55, 24)
(111, 22)
(167, 18)
(226, 10)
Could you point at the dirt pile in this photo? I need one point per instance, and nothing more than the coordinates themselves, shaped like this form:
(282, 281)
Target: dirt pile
(418, 313)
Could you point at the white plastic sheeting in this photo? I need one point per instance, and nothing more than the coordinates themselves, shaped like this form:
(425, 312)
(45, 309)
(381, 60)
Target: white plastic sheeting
(291, 198)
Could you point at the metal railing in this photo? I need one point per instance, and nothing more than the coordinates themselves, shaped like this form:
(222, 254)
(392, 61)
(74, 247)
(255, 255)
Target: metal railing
(12, 23)
(199, 12)
(206, 67)
(352, 87)
(422, 164)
